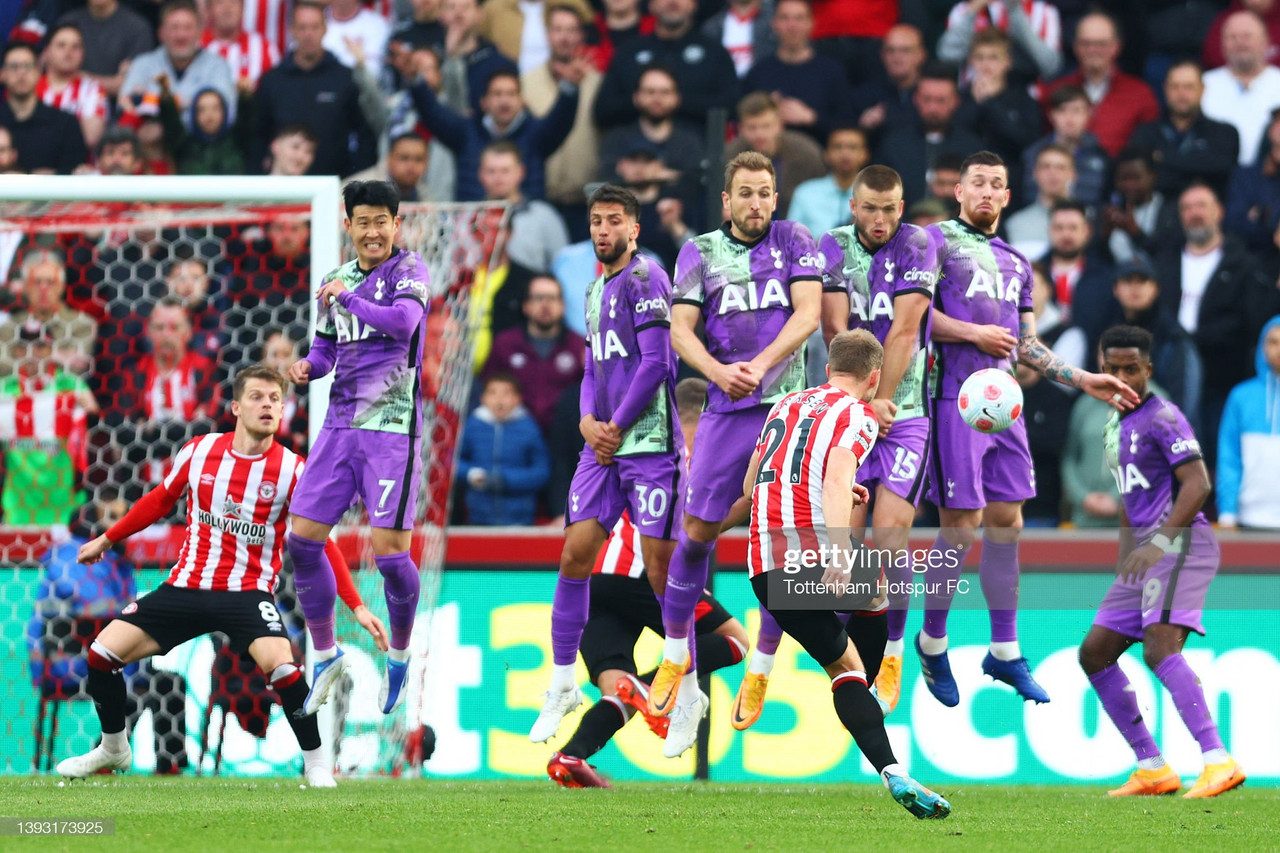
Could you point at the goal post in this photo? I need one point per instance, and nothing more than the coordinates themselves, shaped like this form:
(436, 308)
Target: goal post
(263, 246)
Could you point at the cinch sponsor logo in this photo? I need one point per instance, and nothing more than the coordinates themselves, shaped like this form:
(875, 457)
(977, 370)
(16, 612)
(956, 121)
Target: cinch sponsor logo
(650, 305)
(926, 276)
(1185, 445)
(254, 534)
(807, 260)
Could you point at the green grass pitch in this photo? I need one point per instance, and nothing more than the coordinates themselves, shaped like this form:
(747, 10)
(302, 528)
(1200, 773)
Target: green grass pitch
(181, 814)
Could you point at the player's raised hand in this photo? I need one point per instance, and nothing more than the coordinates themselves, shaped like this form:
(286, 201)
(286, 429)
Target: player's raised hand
(91, 552)
(1108, 388)
(300, 372)
(373, 625)
(995, 340)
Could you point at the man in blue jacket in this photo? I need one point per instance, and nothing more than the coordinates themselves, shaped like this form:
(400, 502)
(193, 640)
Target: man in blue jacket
(503, 115)
(1249, 442)
(503, 457)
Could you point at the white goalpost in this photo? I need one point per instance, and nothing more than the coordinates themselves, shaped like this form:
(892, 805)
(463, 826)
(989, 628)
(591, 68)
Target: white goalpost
(263, 246)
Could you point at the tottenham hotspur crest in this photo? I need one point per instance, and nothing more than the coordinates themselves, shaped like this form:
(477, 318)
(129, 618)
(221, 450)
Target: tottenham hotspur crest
(1133, 441)
(888, 270)
(613, 301)
(777, 258)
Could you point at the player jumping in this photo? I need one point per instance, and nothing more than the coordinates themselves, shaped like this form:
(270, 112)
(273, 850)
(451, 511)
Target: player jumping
(756, 284)
(370, 329)
(983, 298)
(631, 458)
(879, 276)
(1168, 556)
(622, 606)
(802, 484)
(240, 484)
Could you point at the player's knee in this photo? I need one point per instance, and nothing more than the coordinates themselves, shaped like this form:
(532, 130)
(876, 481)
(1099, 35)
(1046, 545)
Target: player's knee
(1154, 653)
(699, 530)
(1092, 659)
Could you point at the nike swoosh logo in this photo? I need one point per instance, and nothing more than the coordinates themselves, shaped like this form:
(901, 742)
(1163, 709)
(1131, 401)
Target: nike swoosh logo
(381, 514)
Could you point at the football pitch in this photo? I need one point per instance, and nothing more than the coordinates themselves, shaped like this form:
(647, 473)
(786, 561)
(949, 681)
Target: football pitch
(180, 814)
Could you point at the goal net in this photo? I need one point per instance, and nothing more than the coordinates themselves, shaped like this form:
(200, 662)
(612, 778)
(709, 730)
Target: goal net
(126, 308)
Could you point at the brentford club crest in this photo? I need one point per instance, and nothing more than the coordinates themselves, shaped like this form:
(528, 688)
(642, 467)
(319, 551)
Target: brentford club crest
(267, 491)
(131, 607)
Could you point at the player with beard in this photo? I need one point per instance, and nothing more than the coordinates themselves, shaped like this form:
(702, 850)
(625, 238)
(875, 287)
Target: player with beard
(879, 275)
(631, 458)
(757, 286)
(983, 318)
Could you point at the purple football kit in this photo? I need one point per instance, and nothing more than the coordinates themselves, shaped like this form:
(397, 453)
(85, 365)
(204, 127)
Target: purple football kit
(744, 293)
(1144, 448)
(369, 444)
(620, 383)
(985, 281)
(906, 264)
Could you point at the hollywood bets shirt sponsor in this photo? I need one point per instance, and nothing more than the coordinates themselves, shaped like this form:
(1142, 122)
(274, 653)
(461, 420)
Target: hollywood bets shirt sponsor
(981, 280)
(377, 380)
(1144, 447)
(619, 307)
(744, 292)
(906, 264)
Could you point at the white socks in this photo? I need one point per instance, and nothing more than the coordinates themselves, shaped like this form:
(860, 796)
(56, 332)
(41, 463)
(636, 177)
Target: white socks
(1006, 651)
(562, 677)
(326, 654)
(313, 758)
(115, 742)
(689, 689)
(676, 649)
(1216, 756)
(892, 770)
(932, 645)
(761, 664)
(399, 655)
(1153, 763)
(894, 648)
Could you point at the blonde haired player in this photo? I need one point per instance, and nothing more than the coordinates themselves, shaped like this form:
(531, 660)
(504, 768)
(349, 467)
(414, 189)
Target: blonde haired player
(803, 488)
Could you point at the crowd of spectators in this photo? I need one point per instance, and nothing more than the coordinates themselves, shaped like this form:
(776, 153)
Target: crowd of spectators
(1143, 141)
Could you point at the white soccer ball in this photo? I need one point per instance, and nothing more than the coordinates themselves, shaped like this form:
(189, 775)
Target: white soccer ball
(990, 400)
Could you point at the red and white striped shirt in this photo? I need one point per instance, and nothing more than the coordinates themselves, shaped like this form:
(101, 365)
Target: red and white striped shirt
(1045, 22)
(786, 507)
(249, 56)
(237, 511)
(82, 97)
(269, 19)
(621, 555)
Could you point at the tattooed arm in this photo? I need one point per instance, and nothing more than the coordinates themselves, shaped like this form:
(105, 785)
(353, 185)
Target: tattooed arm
(1033, 352)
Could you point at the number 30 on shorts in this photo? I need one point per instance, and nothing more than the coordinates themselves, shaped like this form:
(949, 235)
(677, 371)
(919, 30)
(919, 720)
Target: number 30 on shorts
(652, 502)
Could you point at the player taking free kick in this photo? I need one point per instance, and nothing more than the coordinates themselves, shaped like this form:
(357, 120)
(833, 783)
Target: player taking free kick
(238, 487)
(370, 330)
(801, 479)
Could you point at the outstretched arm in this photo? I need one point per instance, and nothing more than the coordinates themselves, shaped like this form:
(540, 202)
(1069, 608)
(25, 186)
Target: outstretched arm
(1033, 352)
(351, 597)
(991, 339)
(398, 320)
(154, 506)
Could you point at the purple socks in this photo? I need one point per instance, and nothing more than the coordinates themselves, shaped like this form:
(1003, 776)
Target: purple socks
(317, 589)
(1121, 705)
(401, 585)
(940, 585)
(900, 578)
(1183, 685)
(998, 572)
(686, 578)
(770, 634)
(568, 617)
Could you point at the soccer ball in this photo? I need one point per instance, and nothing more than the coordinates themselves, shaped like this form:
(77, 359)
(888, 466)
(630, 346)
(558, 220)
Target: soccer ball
(990, 400)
